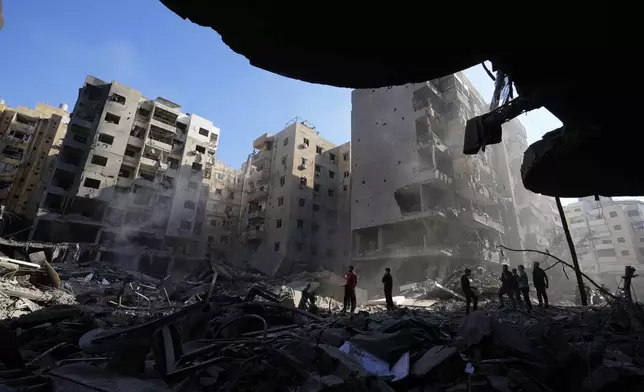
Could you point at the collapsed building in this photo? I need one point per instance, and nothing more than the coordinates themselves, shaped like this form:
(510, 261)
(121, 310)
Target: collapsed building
(419, 205)
(132, 178)
(295, 206)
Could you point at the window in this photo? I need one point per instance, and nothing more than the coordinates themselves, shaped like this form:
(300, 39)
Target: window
(345, 187)
(300, 224)
(105, 138)
(218, 191)
(278, 223)
(318, 150)
(99, 160)
(625, 253)
(302, 202)
(306, 142)
(276, 246)
(185, 225)
(617, 227)
(213, 222)
(332, 157)
(200, 149)
(231, 196)
(284, 160)
(606, 252)
(318, 170)
(613, 214)
(305, 162)
(316, 207)
(280, 201)
(331, 192)
(192, 186)
(224, 238)
(302, 182)
(299, 246)
(633, 213)
(118, 98)
(621, 240)
(91, 183)
(577, 209)
(228, 209)
(196, 166)
(112, 118)
(189, 204)
(316, 188)
(331, 174)
(346, 174)
(286, 141)
(607, 241)
(345, 156)
(203, 132)
(282, 180)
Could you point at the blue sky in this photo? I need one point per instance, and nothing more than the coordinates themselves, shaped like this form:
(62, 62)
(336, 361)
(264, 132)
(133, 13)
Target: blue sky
(49, 46)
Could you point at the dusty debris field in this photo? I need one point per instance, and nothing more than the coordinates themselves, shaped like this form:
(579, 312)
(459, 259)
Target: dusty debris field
(106, 330)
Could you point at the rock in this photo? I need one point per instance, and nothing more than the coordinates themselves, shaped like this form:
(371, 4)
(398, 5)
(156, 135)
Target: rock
(341, 364)
(439, 361)
(38, 257)
(475, 327)
(334, 336)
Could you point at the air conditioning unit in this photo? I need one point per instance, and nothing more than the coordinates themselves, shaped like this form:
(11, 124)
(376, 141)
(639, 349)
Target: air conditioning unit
(198, 158)
(303, 145)
(304, 166)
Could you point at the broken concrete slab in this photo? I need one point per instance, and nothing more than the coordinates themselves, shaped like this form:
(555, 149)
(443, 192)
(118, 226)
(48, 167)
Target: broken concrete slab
(439, 360)
(334, 336)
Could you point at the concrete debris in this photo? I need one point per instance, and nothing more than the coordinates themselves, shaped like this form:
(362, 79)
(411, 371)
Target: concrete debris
(224, 329)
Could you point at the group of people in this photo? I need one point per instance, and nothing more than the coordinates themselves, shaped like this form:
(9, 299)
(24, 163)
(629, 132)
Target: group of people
(514, 284)
(351, 281)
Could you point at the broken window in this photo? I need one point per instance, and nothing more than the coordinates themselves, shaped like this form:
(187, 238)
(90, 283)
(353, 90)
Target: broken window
(280, 201)
(302, 202)
(331, 192)
(203, 132)
(189, 205)
(345, 188)
(606, 252)
(306, 142)
(331, 174)
(54, 202)
(284, 160)
(125, 172)
(316, 207)
(99, 160)
(13, 152)
(213, 223)
(286, 141)
(300, 224)
(617, 227)
(346, 174)
(182, 127)
(117, 98)
(276, 246)
(112, 118)
(408, 199)
(105, 138)
(63, 179)
(231, 196)
(332, 157)
(200, 149)
(282, 180)
(302, 182)
(218, 191)
(132, 152)
(318, 150)
(147, 176)
(345, 156)
(278, 223)
(92, 183)
(224, 239)
(317, 188)
(197, 167)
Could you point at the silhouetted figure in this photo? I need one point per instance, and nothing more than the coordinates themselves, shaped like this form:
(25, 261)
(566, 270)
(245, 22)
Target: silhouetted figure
(524, 287)
(469, 292)
(515, 285)
(507, 287)
(540, 282)
(388, 283)
(351, 281)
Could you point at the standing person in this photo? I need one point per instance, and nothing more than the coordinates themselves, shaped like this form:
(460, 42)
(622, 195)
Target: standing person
(507, 287)
(515, 284)
(388, 283)
(351, 281)
(524, 287)
(540, 282)
(469, 291)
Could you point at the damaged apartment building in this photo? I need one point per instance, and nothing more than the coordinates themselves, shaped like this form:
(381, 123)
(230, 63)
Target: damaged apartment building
(296, 202)
(131, 178)
(419, 205)
(29, 142)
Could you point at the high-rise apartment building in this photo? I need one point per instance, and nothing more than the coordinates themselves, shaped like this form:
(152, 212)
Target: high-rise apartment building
(295, 202)
(29, 142)
(419, 205)
(133, 177)
(608, 236)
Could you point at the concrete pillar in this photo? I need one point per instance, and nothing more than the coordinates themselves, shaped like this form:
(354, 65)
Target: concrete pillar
(422, 197)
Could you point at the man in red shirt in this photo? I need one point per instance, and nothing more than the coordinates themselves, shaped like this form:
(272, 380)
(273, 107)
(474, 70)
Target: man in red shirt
(350, 290)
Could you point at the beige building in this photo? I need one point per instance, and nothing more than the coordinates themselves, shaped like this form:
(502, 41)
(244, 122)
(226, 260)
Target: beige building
(132, 178)
(608, 236)
(296, 202)
(29, 142)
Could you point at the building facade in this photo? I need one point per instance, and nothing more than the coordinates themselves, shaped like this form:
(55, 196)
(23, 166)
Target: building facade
(419, 205)
(29, 141)
(608, 236)
(296, 191)
(132, 177)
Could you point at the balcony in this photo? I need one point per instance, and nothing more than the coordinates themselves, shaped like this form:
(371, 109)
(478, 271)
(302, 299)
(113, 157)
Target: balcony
(259, 194)
(132, 161)
(481, 220)
(403, 252)
(146, 183)
(163, 125)
(434, 177)
(158, 144)
(21, 127)
(149, 162)
(475, 191)
(255, 234)
(257, 214)
(135, 141)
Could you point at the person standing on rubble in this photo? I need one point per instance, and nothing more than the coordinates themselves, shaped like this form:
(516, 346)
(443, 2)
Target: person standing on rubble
(507, 287)
(540, 282)
(388, 283)
(351, 281)
(524, 287)
(469, 292)
(515, 283)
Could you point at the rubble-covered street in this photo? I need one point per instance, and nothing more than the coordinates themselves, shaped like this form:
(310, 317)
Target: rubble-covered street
(223, 329)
